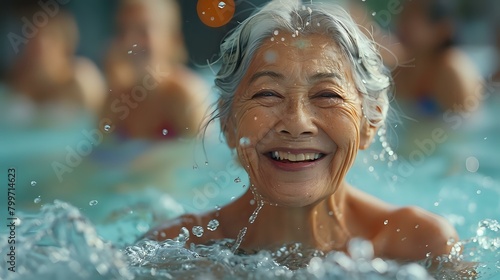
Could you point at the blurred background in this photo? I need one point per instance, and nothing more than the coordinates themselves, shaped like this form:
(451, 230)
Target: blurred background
(101, 101)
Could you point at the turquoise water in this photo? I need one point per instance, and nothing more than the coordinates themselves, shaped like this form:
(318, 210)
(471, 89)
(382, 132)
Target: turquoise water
(84, 222)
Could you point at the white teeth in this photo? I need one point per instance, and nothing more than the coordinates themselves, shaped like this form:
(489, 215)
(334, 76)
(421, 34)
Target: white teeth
(294, 157)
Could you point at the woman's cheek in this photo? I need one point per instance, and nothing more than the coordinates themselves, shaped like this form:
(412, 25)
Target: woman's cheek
(342, 125)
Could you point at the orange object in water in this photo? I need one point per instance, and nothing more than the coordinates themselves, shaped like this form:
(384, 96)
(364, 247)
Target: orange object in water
(215, 13)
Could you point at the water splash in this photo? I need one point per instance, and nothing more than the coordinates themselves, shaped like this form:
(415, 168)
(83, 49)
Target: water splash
(260, 204)
(60, 243)
(239, 239)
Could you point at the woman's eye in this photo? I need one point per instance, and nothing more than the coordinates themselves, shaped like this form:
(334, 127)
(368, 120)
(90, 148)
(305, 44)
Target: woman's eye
(328, 94)
(265, 94)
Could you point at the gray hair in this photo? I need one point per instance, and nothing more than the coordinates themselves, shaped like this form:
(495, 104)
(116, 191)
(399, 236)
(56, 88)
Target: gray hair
(371, 77)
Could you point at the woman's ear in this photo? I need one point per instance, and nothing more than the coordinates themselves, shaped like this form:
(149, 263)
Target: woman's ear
(367, 132)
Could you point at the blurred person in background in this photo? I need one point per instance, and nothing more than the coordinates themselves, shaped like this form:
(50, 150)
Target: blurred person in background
(153, 95)
(496, 75)
(441, 77)
(47, 77)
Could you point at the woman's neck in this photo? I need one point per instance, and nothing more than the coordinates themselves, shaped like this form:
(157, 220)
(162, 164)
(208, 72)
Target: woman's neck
(320, 226)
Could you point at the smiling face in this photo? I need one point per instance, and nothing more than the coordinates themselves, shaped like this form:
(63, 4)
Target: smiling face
(296, 120)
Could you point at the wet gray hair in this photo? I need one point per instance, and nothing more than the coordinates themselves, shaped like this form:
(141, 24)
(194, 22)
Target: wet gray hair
(371, 77)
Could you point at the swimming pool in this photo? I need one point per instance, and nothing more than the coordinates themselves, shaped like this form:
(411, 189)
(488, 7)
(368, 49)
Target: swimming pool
(119, 190)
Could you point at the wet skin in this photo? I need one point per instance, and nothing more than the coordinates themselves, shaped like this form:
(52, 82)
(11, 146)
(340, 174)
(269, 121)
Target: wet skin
(298, 97)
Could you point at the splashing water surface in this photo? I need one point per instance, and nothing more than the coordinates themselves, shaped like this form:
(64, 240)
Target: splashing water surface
(60, 243)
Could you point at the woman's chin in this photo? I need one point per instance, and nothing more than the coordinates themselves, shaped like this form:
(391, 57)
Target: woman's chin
(290, 200)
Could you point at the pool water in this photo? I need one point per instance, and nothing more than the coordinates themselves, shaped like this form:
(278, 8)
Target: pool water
(85, 223)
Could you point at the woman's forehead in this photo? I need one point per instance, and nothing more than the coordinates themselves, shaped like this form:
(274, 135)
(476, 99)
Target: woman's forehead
(310, 53)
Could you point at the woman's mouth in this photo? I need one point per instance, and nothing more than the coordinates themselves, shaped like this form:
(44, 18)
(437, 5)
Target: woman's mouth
(290, 157)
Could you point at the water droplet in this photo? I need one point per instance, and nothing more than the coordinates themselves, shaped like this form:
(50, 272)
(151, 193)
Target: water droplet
(206, 162)
(221, 5)
(195, 166)
(478, 191)
(330, 213)
(164, 132)
(33, 183)
(93, 202)
(417, 226)
(485, 138)
(183, 235)
(212, 18)
(374, 13)
(252, 218)
(370, 168)
(213, 225)
(436, 203)
(244, 141)
(237, 180)
(272, 39)
(129, 52)
(239, 239)
(276, 32)
(282, 39)
(252, 201)
(107, 127)
(428, 255)
(244, 186)
(134, 45)
(472, 164)
(386, 222)
(363, 81)
(217, 207)
(197, 231)
(37, 200)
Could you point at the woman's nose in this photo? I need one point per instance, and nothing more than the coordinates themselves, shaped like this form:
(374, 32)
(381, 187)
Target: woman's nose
(297, 120)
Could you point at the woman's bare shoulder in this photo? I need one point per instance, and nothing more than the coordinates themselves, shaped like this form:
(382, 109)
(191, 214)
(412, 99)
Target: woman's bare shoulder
(412, 233)
(400, 232)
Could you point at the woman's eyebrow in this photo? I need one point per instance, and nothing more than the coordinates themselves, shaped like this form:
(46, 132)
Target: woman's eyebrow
(271, 74)
(324, 76)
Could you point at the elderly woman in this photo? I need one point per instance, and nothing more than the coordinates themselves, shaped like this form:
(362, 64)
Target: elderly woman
(301, 91)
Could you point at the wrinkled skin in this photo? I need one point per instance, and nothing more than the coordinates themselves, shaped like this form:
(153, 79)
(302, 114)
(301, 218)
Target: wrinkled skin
(298, 96)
